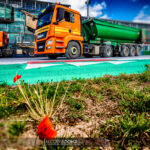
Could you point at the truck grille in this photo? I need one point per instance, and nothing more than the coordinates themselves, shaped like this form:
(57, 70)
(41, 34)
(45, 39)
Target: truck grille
(41, 46)
(41, 35)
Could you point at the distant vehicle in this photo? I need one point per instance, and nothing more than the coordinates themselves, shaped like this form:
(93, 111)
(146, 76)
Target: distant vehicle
(4, 49)
(23, 48)
(16, 49)
(59, 30)
(8, 49)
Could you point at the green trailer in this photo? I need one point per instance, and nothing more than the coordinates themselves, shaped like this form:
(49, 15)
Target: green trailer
(108, 39)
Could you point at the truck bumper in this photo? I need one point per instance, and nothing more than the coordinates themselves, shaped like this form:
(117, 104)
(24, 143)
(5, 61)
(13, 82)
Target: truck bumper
(7, 52)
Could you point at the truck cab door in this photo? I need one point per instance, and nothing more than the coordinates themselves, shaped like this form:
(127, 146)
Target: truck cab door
(65, 20)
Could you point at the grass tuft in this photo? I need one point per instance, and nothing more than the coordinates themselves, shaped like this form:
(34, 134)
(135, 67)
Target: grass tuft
(16, 128)
(38, 104)
(145, 76)
(129, 130)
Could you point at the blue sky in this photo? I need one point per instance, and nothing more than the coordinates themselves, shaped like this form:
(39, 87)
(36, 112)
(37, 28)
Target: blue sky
(130, 10)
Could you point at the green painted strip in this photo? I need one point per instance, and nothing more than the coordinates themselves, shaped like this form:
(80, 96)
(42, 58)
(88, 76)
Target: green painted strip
(66, 71)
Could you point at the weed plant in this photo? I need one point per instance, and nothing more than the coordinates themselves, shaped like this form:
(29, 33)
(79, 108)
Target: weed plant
(16, 128)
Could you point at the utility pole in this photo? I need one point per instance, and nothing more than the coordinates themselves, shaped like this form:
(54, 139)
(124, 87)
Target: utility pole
(88, 2)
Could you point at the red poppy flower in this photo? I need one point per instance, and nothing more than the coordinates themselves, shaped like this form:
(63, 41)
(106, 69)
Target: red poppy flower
(45, 123)
(45, 129)
(17, 77)
(48, 134)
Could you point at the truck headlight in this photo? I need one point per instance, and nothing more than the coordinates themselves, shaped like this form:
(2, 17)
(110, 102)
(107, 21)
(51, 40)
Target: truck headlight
(49, 42)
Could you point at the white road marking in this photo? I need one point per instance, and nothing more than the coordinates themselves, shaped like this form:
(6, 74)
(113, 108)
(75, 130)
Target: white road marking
(119, 62)
(78, 64)
(24, 60)
(32, 66)
(134, 58)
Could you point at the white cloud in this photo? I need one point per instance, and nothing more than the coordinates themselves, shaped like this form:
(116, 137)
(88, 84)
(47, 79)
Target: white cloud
(95, 10)
(53, 1)
(105, 16)
(144, 15)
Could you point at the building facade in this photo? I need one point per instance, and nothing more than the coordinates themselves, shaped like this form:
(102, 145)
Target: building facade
(17, 28)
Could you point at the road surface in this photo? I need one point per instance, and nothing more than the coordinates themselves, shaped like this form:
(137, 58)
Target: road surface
(41, 69)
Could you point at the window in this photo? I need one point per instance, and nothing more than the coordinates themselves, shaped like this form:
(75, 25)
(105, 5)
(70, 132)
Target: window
(69, 17)
(29, 5)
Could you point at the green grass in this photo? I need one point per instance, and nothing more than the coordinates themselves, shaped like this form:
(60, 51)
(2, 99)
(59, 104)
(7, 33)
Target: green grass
(129, 127)
(128, 130)
(16, 128)
(145, 77)
(1, 124)
(136, 102)
(76, 109)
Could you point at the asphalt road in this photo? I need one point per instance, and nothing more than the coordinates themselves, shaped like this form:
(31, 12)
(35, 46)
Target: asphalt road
(41, 69)
(21, 60)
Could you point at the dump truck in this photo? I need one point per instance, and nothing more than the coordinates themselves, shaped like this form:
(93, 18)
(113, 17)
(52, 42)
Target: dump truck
(60, 31)
(4, 49)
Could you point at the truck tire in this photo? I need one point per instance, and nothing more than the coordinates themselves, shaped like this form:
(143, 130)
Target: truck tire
(52, 56)
(124, 51)
(138, 51)
(73, 50)
(132, 51)
(30, 53)
(108, 51)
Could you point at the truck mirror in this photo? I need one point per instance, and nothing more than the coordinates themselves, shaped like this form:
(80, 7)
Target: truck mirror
(60, 14)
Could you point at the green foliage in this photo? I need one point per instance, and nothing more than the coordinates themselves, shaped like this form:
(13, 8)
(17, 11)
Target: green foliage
(136, 102)
(4, 84)
(76, 104)
(9, 97)
(16, 128)
(6, 111)
(76, 108)
(129, 130)
(107, 79)
(56, 147)
(1, 124)
(75, 86)
(145, 76)
(130, 92)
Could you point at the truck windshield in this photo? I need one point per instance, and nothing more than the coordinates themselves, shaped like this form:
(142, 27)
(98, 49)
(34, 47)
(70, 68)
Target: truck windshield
(45, 18)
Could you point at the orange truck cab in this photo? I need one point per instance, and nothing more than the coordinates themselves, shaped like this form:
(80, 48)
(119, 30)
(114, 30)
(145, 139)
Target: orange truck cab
(58, 32)
(4, 49)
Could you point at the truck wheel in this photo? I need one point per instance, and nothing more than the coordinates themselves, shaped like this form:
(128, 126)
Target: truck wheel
(124, 51)
(108, 51)
(30, 53)
(138, 51)
(73, 50)
(132, 51)
(52, 56)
